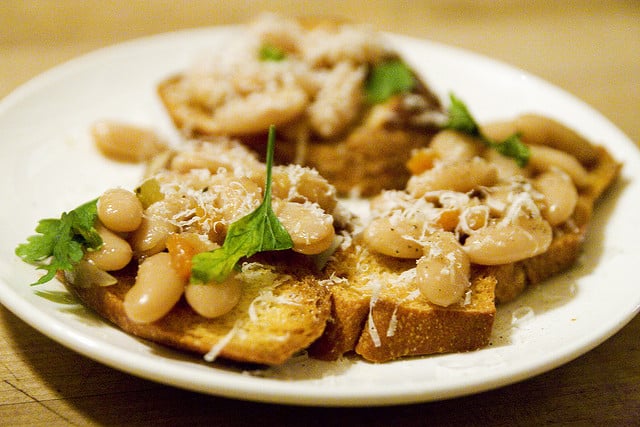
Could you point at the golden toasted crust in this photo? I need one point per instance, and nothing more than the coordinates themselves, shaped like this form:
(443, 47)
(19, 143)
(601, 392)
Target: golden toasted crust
(281, 329)
(375, 304)
(420, 330)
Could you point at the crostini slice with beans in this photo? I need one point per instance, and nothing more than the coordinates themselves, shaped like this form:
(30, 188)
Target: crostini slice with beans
(471, 228)
(131, 255)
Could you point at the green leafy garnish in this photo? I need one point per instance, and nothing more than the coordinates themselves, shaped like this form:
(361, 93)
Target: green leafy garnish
(270, 52)
(461, 120)
(256, 232)
(62, 241)
(59, 297)
(387, 79)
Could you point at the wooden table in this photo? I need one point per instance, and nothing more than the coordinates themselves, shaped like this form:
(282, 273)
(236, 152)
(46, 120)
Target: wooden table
(589, 48)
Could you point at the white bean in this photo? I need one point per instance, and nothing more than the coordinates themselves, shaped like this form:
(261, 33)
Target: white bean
(506, 166)
(560, 196)
(157, 289)
(214, 299)
(442, 274)
(114, 254)
(388, 201)
(151, 237)
(301, 184)
(462, 176)
(237, 197)
(398, 240)
(158, 222)
(120, 210)
(310, 228)
(540, 130)
(220, 153)
(338, 102)
(255, 112)
(124, 142)
(545, 158)
(451, 145)
(506, 243)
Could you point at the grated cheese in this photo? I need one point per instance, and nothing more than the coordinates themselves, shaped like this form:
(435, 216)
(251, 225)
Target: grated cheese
(376, 287)
(393, 322)
(333, 280)
(220, 345)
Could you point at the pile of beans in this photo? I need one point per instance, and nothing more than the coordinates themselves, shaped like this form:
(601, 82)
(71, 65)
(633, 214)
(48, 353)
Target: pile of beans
(467, 204)
(186, 208)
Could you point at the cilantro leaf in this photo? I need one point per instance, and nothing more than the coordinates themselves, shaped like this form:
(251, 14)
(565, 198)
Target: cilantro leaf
(256, 232)
(270, 52)
(461, 120)
(387, 79)
(62, 241)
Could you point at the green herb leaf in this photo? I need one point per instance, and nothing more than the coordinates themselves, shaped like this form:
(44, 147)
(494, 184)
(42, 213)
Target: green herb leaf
(256, 232)
(461, 120)
(62, 241)
(270, 52)
(59, 297)
(387, 79)
(514, 147)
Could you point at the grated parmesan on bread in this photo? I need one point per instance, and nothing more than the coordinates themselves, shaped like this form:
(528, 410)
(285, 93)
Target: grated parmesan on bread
(315, 95)
(194, 195)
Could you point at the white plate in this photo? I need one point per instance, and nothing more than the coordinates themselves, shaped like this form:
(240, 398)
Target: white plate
(49, 165)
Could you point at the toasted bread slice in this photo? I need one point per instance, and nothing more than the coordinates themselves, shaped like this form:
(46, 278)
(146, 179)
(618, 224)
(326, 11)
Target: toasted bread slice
(378, 312)
(367, 159)
(323, 119)
(279, 314)
(190, 201)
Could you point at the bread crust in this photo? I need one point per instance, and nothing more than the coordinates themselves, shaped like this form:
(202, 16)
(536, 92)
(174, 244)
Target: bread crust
(381, 320)
(281, 330)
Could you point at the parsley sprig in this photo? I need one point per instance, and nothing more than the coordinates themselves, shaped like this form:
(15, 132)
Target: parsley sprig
(61, 243)
(461, 120)
(387, 79)
(256, 232)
